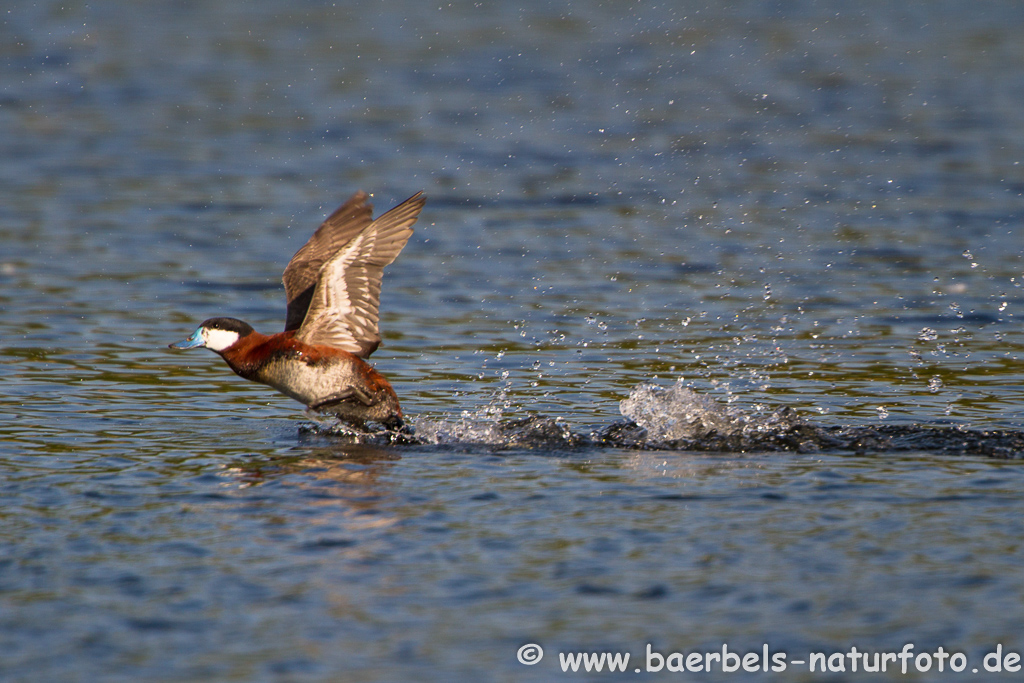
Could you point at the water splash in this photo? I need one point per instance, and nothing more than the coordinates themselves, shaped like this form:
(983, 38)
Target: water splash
(477, 427)
(676, 418)
(491, 431)
(679, 413)
(323, 424)
(481, 426)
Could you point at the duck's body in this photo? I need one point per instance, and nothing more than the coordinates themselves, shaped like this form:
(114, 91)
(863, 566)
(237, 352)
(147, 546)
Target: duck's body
(333, 287)
(322, 377)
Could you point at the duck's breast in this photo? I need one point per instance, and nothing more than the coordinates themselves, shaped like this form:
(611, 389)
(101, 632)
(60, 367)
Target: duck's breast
(309, 381)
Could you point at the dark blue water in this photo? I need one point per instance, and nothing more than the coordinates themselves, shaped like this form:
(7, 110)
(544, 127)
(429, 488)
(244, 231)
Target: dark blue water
(811, 206)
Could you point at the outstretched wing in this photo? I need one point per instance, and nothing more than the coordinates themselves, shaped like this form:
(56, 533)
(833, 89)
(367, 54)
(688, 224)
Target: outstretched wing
(301, 275)
(343, 311)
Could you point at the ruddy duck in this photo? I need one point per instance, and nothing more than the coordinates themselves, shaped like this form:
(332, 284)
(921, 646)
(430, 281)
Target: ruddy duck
(333, 289)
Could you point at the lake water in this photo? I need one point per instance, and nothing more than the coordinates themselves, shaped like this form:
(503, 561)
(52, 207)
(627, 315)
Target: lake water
(812, 206)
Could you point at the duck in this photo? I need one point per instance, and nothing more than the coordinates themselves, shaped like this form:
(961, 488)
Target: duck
(332, 286)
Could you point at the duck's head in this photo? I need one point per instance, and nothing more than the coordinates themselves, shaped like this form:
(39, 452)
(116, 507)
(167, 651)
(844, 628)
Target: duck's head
(216, 334)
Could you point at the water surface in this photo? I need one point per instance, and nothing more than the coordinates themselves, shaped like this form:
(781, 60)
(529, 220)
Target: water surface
(800, 205)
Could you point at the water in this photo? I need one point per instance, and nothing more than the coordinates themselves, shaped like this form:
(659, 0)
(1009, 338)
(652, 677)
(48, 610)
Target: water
(800, 206)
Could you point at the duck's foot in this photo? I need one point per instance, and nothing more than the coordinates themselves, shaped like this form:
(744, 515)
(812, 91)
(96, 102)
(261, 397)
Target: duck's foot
(344, 395)
(397, 425)
(391, 430)
(329, 422)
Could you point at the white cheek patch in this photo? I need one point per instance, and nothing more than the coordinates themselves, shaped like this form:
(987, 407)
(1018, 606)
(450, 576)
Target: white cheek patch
(218, 340)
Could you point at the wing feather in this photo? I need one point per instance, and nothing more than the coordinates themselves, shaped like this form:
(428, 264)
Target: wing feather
(300, 277)
(343, 308)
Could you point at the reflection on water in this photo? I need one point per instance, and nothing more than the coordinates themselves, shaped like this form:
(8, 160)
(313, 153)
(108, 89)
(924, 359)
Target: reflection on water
(801, 211)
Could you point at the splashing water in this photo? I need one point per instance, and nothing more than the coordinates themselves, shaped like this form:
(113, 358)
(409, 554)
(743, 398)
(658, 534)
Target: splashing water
(679, 413)
(676, 418)
(472, 426)
(489, 426)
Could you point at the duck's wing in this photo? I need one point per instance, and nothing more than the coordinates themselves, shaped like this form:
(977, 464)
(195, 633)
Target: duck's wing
(343, 310)
(300, 276)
